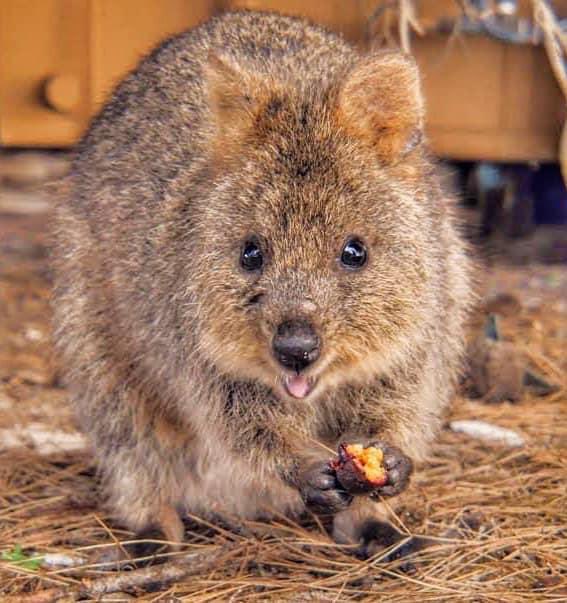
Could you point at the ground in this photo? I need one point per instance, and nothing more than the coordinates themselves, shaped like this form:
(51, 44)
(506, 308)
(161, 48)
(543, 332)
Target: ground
(495, 517)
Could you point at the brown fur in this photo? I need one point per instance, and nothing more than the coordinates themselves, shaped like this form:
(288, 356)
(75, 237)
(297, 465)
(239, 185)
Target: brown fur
(253, 124)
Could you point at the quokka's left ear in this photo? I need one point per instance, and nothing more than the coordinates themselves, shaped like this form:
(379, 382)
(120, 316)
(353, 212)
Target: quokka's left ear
(380, 101)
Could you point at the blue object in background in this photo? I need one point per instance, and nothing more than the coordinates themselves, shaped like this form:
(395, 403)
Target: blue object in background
(550, 195)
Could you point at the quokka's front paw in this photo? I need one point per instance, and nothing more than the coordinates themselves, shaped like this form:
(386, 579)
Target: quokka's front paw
(320, 489)
(399, 468)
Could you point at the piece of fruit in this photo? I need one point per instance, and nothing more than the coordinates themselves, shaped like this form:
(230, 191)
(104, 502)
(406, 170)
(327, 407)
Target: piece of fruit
(360, 469)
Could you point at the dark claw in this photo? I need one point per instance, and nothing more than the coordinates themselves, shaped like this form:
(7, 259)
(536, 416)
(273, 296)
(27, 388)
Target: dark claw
(394, 476)
(390, 461)
(387, 491)
(326, 501)
(376, 536)
(320, 490)
(399, 467)
(140, 548)
(322, 481)
(540, 386)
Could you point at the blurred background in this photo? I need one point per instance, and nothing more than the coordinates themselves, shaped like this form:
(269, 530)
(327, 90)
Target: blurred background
(493, 72)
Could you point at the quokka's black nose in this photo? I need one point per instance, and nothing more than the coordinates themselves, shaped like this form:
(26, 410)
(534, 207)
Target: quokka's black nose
(296, 344)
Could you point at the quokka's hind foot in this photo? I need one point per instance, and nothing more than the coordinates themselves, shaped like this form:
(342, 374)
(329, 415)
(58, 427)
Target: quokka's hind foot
(165, 535)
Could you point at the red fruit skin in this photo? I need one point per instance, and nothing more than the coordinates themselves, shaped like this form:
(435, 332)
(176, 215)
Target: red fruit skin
(350, 473)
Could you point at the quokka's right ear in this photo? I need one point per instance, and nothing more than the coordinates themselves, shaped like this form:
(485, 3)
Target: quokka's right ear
(234, 96)
(380, 101)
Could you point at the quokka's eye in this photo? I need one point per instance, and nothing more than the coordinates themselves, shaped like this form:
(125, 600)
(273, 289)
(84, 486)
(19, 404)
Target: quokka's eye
(251, 258)
(354, 254)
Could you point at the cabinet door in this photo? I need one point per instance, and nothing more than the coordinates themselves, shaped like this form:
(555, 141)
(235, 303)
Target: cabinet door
(123, 31)
(59, 59)
(44, 71)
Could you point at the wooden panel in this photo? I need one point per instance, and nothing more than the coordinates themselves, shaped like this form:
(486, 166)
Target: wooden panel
(531, 96)
(462, 81)
(42, 39)
(485, 99)
(489, 100)
(492, 145)
(123, 31)
(71, 53)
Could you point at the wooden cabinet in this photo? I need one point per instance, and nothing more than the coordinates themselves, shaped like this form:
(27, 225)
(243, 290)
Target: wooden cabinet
(60, 58)
(489, 100)
(44, 66)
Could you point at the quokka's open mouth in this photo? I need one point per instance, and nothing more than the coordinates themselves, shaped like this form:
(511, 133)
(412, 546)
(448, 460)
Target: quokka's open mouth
(298, 386)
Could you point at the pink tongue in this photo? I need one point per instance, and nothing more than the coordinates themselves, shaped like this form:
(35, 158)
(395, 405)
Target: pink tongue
(297, 386)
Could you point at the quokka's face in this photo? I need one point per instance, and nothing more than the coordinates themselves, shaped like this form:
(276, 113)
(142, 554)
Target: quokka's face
(311, 241)
(312, 281)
